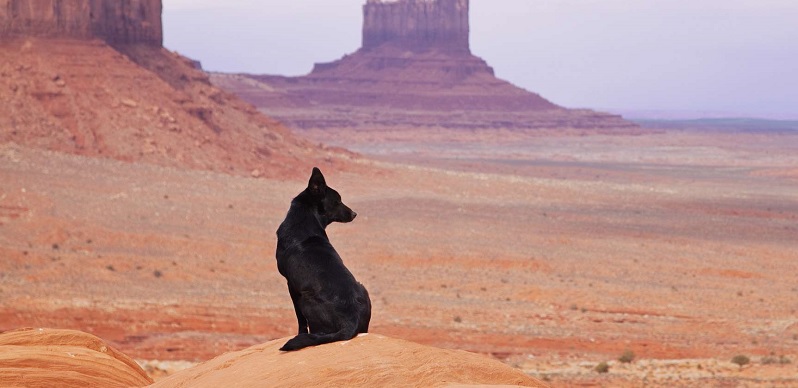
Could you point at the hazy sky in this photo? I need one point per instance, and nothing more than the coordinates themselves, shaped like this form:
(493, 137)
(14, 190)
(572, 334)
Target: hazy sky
(698, 57)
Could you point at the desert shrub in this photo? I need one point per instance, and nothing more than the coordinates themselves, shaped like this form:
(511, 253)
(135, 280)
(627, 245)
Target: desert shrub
(602, 367)
(741, 360)
(769, 360)
(772, 359)
(627, 356)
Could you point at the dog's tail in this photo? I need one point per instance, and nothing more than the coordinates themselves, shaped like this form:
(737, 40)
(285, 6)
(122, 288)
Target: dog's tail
(306, 339)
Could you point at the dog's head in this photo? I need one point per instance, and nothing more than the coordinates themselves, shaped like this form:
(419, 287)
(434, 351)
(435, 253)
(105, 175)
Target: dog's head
(327, 200)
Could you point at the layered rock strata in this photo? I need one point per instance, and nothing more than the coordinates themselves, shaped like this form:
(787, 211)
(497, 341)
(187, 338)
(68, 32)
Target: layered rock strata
(114, 21)
(64, 358)
(416, 25)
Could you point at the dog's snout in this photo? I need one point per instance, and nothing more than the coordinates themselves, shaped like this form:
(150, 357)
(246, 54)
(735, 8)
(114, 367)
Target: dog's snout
(354, 214)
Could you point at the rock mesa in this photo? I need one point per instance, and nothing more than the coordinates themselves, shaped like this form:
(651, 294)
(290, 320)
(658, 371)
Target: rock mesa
(90, 77)
(417, 25)
(114, 21)
(414, 69)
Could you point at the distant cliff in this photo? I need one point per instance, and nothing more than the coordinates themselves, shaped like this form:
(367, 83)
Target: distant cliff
(416, 25)
(114, 21)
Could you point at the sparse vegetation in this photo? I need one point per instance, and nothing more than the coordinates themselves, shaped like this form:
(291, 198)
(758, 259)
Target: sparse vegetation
(458, 319)
(157, 273)
(772, 360)
(603, 367)
(741, 360)
(769, 360)
(627, 356)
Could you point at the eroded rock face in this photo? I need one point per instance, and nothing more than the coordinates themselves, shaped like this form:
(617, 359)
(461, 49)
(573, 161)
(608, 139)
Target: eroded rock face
(417, 25)
(115, 21)
(136, 103)
(64, 358)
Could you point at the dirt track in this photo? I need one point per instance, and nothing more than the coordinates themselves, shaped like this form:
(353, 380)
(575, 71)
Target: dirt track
(547, 252)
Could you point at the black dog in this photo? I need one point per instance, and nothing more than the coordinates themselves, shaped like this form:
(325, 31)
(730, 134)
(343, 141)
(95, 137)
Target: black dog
(330, 304)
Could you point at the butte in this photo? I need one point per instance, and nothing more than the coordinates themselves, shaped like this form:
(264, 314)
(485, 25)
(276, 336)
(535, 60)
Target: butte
(414, 69)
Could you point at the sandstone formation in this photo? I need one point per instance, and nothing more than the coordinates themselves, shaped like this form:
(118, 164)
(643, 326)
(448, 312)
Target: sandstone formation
(64, 358)
(414, 69)
(366, 361)
(115, 21)
(416, 25)
(105, 87)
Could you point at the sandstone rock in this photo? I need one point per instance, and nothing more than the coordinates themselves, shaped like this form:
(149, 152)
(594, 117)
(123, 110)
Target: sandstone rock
(414, 69)
(366, 361)
(115, 21)
(64, 358)
(98, 102)
(416, 25)
(129, 103)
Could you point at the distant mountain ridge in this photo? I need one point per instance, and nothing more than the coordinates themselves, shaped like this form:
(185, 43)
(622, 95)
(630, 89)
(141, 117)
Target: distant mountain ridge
(735, 124)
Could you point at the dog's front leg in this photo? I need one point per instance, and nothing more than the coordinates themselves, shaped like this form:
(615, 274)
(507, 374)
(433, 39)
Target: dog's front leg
(300, 318)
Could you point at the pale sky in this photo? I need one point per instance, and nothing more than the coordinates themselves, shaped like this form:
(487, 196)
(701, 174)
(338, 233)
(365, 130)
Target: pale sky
(691, 57)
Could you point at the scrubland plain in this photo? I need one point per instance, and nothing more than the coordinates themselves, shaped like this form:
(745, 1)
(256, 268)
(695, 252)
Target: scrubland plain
(551, 253)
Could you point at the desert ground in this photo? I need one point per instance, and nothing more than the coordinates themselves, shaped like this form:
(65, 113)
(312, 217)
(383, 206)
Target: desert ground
(550, 252)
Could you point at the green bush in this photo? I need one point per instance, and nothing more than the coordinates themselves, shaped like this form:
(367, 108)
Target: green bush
(602, 368)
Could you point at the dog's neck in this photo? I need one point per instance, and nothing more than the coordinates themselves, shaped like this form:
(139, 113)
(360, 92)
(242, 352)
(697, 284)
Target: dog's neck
(305, 222)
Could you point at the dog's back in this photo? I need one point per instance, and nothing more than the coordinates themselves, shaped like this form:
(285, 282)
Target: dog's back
(330, 304)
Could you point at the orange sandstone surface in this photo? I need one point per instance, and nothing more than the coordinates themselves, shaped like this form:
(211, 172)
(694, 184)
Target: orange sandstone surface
(64, 358)
(68, 358)
(369, 360)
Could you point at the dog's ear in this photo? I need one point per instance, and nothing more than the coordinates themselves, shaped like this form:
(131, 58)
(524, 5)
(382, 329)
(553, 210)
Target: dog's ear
(316, 185)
